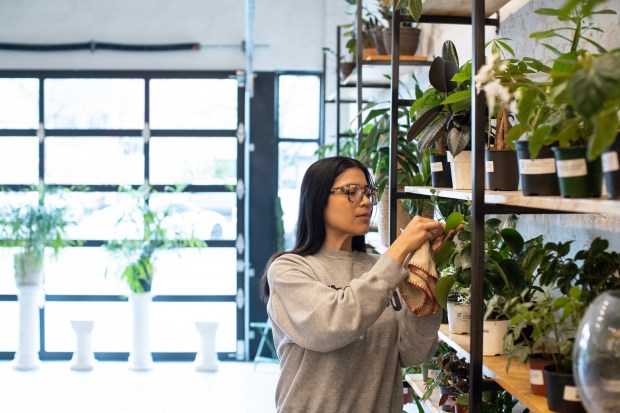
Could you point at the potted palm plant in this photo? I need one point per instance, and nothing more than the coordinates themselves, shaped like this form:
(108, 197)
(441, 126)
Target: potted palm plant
(137, 261)
(32, 229)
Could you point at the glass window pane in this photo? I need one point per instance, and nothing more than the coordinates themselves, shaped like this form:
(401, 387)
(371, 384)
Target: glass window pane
(94, 103)
(111, 331)
(172, 325)
(19, 103)
(294, 160)
(94, 160)
(206, 216)
(198, 161)
(7, 280)
(98, 215)
(9, 322)
(193, 104)
(298, 106)
(19, 160)
(83, 270)
(192, 271)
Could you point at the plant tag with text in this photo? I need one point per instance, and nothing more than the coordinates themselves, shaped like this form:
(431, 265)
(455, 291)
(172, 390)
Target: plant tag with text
(572, 167)
(537, 166)
(610, 161)
(436, 167)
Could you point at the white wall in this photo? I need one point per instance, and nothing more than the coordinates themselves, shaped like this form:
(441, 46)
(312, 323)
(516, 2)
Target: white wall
(289, 34)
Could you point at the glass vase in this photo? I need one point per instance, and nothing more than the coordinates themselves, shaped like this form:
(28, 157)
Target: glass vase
(596, 354)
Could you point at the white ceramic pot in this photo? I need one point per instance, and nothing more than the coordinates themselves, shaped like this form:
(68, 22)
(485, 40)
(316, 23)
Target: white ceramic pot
(458, 318)
(493, 332)
(26, 356)
(460, 170)
(28, 272)
(140, 357)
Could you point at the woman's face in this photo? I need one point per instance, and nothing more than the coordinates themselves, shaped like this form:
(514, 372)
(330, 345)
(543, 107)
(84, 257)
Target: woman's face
(345, 218)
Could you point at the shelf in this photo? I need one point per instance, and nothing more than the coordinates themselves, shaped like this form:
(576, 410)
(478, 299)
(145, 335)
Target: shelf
(460, 8)
(407, 60)
(431, 405)
(516, 381)
(517, 199)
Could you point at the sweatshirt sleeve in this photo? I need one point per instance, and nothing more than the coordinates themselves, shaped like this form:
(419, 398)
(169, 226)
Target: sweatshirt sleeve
(418, 337)
(321, 318)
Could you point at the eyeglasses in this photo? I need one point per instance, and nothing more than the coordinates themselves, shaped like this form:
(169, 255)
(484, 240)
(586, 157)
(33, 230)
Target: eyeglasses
(356, 193)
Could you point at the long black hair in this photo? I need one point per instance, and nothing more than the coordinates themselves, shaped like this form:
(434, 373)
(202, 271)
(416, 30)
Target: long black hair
(315, 191)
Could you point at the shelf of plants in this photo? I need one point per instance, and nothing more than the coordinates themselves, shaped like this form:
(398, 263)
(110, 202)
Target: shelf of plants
(516, 381)
(417, 384)
(516, 198)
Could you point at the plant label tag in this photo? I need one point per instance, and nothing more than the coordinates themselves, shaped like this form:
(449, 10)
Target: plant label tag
(572, 167)
(610, 161)
(537, 166)
(536, 377)
(490, 166)
(433, 373)
(436, 166)
(571, 394)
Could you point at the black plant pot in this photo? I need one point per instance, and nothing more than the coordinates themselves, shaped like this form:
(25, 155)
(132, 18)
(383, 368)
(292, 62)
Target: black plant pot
(578, 177)
(611, 168)
(562, 393)
(538, 176)
(440, 171)
(502, 170)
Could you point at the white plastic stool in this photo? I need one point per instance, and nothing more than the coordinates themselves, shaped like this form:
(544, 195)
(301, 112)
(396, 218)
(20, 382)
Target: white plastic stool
(83, 357)
(206, 357)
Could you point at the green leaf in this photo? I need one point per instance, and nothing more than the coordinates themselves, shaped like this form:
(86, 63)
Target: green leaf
(442, 290)
(454, 220)
(457, 97)
(513, 239)
(605, 130)
(415, 8)
(445, 254)
(543, 11)
(448, 52)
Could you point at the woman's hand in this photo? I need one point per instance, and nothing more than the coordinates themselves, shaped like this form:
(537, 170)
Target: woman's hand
(418, 231)
(439, 241)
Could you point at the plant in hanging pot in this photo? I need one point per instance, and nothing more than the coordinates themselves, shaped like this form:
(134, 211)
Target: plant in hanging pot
(150, 234)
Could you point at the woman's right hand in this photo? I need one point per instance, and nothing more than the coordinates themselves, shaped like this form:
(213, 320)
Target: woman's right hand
(418, 231)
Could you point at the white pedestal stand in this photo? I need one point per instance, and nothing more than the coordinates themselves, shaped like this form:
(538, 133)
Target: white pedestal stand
(83, 357)
(26, 357)
(206, 358)
(140, 358)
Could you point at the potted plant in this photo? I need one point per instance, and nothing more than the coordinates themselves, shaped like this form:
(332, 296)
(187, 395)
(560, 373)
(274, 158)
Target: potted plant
(442, 116)
(137, 261)
(32, 228)
(542, 328)
(409, 31)
(576, 107)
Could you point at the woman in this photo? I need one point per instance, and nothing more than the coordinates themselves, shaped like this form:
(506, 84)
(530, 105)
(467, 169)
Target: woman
(341, 344)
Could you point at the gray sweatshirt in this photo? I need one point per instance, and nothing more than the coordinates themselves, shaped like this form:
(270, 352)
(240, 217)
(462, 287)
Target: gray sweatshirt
(341, 343)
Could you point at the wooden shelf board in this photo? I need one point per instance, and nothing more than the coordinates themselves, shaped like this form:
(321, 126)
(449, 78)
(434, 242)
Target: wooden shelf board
(516, 198)
(461, 8)
(516, 381)
(430, 405)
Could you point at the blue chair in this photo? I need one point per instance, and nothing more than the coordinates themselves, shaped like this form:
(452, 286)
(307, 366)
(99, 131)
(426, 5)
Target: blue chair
(264, 328)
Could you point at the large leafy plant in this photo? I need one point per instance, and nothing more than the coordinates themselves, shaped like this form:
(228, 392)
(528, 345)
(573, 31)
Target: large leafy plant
(578, 101)
(139, 254)
(442, 114)
(33, 227)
